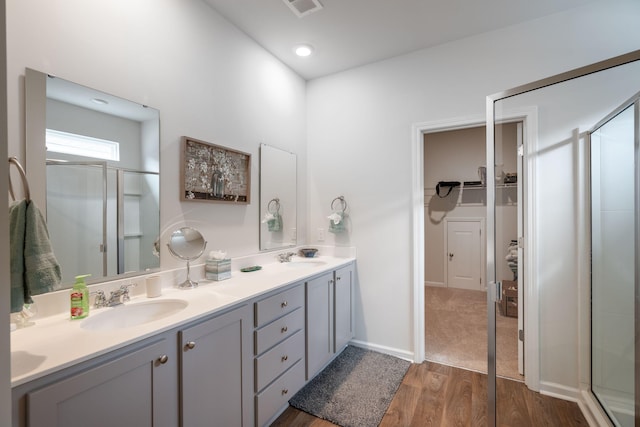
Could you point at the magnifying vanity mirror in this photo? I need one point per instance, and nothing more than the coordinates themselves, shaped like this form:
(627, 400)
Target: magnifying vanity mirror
(278, 220)
(93, 164)
(187, 244)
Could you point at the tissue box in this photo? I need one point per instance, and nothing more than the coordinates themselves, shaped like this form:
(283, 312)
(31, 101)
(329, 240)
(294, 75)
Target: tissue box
(217, 269)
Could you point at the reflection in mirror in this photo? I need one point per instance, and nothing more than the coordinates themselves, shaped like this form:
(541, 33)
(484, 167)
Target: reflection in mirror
(93, 159)
(187, 244)
(277, 198)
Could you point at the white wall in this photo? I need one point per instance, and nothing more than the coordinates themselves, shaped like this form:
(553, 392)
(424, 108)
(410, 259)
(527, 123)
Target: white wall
(208, 80)
(360, 122)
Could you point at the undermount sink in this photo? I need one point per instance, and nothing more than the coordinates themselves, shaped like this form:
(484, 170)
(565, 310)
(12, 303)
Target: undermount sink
(129, 315)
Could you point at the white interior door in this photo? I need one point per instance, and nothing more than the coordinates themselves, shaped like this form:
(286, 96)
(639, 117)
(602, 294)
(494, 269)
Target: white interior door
(463, 253)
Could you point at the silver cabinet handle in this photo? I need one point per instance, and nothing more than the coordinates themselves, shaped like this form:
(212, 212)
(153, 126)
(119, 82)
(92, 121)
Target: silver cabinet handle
(338, 278)
(285, 358)
(284, 329)
(190, 345)
(163, 359)
(284, 304)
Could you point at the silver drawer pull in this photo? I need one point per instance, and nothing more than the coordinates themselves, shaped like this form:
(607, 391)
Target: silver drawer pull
(285, 358)
(163, 359)
(285, 391)
(284, 304)
(191, 345)
(284, 329)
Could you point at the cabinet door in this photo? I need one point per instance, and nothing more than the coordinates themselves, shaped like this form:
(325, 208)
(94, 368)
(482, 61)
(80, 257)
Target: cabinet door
(343, 303)
(134, 389)
(217, 374)
(319, 298)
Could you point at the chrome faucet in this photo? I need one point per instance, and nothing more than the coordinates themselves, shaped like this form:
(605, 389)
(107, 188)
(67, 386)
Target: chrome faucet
(100, 300)
(117, 297)
(285, 256)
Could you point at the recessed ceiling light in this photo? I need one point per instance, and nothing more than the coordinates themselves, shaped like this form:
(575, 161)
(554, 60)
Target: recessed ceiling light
(303, 50)
(100, 101)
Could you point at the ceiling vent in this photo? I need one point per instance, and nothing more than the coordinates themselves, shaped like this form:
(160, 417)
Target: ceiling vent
(303, 8)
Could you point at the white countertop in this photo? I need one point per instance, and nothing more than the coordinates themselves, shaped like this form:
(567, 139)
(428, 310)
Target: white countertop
(55, 342)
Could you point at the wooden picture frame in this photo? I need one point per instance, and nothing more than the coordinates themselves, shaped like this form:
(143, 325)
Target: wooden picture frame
(212, 173)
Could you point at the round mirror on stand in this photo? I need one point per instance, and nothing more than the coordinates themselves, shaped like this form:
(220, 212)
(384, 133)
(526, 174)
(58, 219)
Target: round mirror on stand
(187, 244)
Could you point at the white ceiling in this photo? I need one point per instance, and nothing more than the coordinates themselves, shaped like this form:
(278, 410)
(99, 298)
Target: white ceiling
(349, 33)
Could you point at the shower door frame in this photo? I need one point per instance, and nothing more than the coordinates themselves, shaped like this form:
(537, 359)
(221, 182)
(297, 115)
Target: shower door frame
(634, 102)
(493, 290)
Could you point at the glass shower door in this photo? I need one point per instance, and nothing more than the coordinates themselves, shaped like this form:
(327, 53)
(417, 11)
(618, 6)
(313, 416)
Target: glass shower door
(579, 335)
(613, 146)
(76, 212)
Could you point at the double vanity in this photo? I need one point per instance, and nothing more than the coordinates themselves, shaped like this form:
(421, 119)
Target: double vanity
(229, 353)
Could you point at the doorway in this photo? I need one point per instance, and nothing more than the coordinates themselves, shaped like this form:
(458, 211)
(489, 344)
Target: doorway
(454, 245)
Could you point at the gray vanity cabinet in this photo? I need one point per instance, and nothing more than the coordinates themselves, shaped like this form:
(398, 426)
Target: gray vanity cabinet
(216, 371)
(136, 388)
(279, 346)
(343, 313)
(329, 299)
(319, 296)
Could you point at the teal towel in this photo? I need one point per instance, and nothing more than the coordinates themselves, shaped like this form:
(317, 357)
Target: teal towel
(34, 268)
(275, 224)
(336, 222)
(17, 223)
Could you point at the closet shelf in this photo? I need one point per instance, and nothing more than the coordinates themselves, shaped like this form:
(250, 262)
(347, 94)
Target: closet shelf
(475, 187)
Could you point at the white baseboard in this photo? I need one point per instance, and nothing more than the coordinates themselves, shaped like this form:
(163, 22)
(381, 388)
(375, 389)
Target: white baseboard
(406, 355)
(560, 391)
(435, 284)
(586, 404)
(591, 410)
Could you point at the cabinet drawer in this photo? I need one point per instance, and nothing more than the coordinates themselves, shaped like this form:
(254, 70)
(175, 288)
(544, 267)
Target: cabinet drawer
(278, 330)
(277, 394)
(277, 305)
(277, 360)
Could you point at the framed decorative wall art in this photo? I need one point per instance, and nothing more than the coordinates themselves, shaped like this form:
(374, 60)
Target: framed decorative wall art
(213, 173)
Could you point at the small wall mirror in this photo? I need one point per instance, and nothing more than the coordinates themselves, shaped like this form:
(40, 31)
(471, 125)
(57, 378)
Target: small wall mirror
(187, 244)
(278, 200)
(93, 164)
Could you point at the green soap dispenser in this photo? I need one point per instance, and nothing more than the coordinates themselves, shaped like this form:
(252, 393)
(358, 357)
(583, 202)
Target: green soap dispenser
(80, 298)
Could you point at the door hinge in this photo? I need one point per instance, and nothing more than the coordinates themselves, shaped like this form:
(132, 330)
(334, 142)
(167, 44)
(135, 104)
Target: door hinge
(521, 334)
(521, 242)
(521, 150)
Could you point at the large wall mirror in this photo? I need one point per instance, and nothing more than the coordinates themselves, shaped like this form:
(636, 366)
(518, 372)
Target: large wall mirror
(93, 162)
(277, 198)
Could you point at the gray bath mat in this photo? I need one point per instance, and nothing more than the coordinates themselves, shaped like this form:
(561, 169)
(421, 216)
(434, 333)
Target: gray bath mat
(355, 390)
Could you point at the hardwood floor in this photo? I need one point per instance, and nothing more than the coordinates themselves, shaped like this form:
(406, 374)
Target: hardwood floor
(434, 395)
